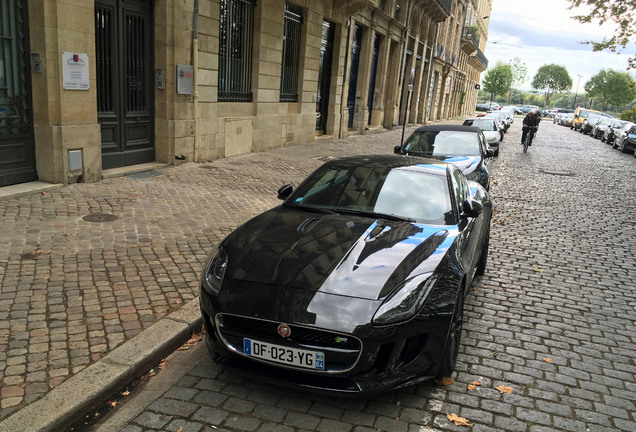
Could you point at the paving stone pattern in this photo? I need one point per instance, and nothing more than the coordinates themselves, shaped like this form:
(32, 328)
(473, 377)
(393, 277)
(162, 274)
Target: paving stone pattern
(553, 319)
(72, 290)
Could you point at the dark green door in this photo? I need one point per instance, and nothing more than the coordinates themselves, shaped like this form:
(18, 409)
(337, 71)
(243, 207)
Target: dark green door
(17, 146)
(125, 77)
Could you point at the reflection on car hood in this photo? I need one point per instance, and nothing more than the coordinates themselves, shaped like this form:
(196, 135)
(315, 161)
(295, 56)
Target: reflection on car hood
(336, 254)
(466, 164)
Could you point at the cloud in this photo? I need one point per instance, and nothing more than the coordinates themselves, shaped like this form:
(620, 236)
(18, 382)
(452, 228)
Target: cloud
(545, 33)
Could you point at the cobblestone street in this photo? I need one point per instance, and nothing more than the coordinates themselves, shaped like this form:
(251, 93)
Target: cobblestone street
(549, 332)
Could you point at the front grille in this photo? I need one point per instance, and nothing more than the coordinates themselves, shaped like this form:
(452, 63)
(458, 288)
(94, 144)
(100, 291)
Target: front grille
(339, 356)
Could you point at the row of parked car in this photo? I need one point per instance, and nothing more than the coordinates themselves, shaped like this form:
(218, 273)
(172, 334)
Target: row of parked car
(620, 133)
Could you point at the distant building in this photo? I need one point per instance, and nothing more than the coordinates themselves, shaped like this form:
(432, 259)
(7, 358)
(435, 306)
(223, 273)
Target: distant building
(87, 87)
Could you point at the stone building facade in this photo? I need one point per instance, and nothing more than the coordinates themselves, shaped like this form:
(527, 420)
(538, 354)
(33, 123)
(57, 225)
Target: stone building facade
(91, 86)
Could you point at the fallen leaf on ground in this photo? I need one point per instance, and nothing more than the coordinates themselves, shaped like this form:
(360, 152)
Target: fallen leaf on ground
(193, 341)
(148, 375)
(163, 364)
(43, 193)
(477, 383)
(112, 403)
(445, 381)
(503, 389)
(548, 360)
(125, 393)
(470, 387)
(459, 421)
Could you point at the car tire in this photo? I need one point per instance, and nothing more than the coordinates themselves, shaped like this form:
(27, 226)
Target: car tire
(497, 152)
(602, 138)
(483, 258)
(451, 350)
(614, 146)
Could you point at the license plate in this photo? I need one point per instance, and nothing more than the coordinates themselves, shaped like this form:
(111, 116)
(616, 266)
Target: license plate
(285, 355)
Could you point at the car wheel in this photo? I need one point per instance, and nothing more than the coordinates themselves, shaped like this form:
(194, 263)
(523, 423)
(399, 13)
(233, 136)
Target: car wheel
(614, 146)
(449, 358)
(623, 149)
(497, 152)
(483, 258)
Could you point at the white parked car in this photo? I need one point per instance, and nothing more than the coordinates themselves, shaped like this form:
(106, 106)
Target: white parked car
(490, 129)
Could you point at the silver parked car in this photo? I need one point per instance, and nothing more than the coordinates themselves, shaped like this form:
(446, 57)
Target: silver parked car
(490, 129)
(599, 128)
(610, 132)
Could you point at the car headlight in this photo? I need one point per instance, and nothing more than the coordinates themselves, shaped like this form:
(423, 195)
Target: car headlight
(405, 301)
(214, 271)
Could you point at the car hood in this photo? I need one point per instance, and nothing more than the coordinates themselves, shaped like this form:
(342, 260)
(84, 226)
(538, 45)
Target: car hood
(491, 135)
(336, 254)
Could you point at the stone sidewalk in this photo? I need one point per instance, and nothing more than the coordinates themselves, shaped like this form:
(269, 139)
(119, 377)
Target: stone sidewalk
(86, 267)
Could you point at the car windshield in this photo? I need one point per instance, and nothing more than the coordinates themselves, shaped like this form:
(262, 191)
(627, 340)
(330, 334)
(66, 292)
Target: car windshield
(481, 123)
(443, 143)
(377, 191)
(606, 121)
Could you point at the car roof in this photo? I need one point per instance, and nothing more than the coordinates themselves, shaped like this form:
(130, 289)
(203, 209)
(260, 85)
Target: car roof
(440, 128)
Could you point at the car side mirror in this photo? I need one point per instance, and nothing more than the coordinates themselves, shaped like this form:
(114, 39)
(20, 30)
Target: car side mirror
(397, 149)
(285, 191)
(490, 153)
(472, 208)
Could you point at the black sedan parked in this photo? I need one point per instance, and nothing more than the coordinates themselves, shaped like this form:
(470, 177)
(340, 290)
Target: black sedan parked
(355, 284)
(464, 146)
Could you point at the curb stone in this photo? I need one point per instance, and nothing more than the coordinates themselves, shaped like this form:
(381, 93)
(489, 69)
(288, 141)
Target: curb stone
(73, 399)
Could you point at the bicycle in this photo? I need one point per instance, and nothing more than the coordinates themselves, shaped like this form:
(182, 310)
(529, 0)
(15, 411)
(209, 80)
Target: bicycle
(528, 140)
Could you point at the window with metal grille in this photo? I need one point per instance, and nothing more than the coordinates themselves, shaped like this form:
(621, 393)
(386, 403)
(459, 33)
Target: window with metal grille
(291, 53)
(236, 25)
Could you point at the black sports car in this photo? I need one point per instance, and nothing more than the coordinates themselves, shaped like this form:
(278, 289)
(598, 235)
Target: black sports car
(355, 284)
(464, 146)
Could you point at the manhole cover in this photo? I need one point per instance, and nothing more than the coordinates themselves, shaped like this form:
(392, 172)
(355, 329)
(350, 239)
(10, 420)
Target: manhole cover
(558, 173)
(99, 217)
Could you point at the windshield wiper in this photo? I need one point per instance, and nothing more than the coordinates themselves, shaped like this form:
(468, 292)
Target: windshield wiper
(375, 215)
(310, 209)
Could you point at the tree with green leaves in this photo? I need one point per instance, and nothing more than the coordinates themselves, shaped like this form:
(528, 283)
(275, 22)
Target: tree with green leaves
(519, 74)
(629, 115)
(498, 79)
(620, 12)
(552, 78)
(611, 87)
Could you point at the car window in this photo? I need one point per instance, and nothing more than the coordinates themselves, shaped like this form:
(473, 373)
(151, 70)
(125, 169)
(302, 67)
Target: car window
(443, 143)
(482, 123)
(401, 192)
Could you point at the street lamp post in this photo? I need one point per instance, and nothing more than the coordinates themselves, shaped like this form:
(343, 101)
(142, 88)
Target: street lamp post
(577, 91)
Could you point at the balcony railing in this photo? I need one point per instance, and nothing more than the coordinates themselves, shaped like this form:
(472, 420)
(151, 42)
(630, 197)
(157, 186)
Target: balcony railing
(446, 5)
(481, 57)
(471, 33)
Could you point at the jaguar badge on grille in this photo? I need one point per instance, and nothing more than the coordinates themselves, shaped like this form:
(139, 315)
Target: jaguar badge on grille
(284, 330)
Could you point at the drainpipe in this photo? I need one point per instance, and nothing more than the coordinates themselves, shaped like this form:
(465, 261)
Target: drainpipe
(195, 66)
(430, 74)
(344, 79)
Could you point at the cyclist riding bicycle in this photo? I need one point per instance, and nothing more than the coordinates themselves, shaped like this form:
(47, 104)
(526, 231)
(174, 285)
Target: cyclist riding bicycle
(530, 124)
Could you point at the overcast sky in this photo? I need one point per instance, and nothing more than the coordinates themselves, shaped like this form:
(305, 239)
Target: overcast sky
(542, 32)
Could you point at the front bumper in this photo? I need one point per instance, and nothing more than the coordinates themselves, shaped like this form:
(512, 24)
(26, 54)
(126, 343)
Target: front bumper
(387, 358)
